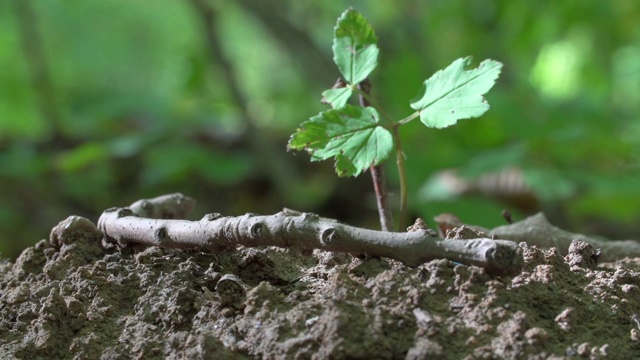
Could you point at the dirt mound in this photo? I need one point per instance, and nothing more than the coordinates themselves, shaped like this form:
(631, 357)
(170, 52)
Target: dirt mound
(76, 300)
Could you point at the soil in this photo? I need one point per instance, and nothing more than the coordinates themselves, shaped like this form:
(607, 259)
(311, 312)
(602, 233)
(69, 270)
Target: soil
(75, 299)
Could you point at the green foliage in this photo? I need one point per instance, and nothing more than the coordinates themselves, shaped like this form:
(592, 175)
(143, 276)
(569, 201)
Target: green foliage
(338, 98)
(135, 84)
(355, 48)
(355, 52)
(455, 93)
(352, 135)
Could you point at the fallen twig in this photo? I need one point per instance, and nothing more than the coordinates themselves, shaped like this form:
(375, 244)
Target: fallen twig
(306, 231)
(536, 230)
(171, 206)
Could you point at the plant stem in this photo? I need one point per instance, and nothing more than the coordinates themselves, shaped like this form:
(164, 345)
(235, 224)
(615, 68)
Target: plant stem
(377, 173)
(409, 118)
(371, 101)
(379, 185)
(402, 177)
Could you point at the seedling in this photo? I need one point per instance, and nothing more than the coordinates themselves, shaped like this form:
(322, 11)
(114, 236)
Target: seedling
(363, 136)
(357, 137)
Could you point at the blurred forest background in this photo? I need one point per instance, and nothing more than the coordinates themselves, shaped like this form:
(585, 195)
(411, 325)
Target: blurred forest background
(106, 102)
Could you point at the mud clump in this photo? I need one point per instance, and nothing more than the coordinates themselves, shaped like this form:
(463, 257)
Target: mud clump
(74, 299)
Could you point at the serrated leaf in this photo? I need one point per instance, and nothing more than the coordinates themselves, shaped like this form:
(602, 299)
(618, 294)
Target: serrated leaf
(352, 135)
(355, 49)
(337, 97)
(454, 93)
(345, 167)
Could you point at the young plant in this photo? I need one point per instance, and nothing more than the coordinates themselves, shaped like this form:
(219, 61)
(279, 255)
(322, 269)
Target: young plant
(363, 136)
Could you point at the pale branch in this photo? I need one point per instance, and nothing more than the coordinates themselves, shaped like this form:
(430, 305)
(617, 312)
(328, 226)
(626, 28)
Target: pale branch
(306, 231)
(170, 206)
(146, 222)
(536, 230)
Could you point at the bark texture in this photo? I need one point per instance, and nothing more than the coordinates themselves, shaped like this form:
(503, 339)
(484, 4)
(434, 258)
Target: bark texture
(305, 231)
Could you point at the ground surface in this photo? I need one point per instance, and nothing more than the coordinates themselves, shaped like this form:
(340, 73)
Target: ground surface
(77, 300)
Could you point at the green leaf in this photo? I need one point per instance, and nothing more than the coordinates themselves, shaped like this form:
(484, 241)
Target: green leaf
(454, 93)
(81, 157)
(354, 47)
(337, 97)
(352, 135)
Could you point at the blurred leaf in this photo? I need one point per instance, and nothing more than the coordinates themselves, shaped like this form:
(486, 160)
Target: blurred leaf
(351, 134)
(337, 97)
(130, 144)
(436, 189)
(224, 168)
(550, 184)
(90, 183)
(354, 47)
(174, 162)
(81, 157)
(472, 210)
(556, 72)
(611, 197)
(22, 161)
(455, 93)
(494, 160)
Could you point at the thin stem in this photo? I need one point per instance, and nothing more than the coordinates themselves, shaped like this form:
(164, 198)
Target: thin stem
(377, 173)
(402, 177)
(409, 118)
(370, 100)
(380, 188)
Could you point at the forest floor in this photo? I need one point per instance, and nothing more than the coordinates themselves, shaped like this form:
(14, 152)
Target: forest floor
(79, 300)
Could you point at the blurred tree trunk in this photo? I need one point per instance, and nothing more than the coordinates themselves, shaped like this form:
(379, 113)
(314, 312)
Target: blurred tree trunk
(36, 60)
